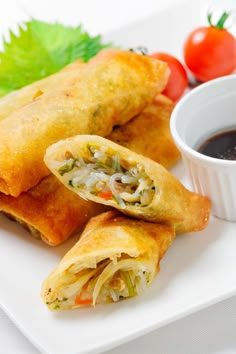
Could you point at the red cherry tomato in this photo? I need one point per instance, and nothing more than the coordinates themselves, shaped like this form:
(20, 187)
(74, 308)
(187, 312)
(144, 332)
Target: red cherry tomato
(210, 51)
(178, 80)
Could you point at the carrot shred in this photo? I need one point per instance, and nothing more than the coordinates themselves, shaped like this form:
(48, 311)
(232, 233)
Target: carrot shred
(105, 195)
(80, 301)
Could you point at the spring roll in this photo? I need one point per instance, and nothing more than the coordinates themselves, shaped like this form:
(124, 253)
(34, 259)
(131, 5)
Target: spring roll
(50, 211)
(68, 211)
(149, 134)
(105, 172)
(112, 88)
(115, 258)
(16, 99)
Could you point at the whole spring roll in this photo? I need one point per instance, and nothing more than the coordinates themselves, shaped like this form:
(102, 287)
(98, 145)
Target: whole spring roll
(111, 89)
(19, 98)
(105, 172)
(149, 134)
(115, 258)
(50, 211)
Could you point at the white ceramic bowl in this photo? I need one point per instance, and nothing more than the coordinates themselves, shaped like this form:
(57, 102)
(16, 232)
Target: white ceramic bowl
(206, 110)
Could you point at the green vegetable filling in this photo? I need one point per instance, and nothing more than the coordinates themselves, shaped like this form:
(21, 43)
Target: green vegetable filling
(105, 176)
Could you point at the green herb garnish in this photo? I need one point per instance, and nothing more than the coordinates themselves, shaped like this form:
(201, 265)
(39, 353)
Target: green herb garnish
(40, 49)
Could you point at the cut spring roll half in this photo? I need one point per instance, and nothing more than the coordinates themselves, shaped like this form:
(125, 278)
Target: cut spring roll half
(105, 172)
(50, 211)
(115, 258)
(18, 98)
(111, 89)
(149, 133)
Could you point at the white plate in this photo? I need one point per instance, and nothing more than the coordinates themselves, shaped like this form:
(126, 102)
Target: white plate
(198, 270)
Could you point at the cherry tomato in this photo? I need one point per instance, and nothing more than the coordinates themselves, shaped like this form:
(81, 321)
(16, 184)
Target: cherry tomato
(210, 51)
(178, 80)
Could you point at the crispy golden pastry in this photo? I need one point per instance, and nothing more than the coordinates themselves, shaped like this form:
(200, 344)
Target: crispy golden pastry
(50, 211)
(102, 171)
(111, 89)
(115, 258)
(19, 98)
(149, 134)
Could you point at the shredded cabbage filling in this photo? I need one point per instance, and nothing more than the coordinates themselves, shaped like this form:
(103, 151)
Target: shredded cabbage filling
(107, 177)
(110, 281)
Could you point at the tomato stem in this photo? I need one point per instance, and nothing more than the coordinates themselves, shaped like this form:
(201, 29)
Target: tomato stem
(221, 21)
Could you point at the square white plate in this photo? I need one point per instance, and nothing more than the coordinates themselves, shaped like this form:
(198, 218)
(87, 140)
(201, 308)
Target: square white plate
(198, 270)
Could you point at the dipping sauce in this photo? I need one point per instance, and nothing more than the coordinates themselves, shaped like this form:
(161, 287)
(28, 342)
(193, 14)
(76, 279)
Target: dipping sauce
(220, 146)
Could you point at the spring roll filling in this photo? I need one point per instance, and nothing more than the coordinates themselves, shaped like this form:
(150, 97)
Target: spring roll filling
(110, 281)
(106, 176)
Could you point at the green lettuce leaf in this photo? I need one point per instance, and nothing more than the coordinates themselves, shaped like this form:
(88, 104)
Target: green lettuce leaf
(40, 49)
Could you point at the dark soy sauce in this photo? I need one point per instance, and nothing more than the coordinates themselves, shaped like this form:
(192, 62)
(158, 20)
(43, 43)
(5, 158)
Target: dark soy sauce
(220, 146)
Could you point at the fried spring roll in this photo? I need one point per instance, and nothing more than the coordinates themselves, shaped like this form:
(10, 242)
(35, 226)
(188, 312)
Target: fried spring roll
(115, 258)
(53, 213)
(105, 172)
(50, 211)
(149, 134)
(19, 98)
(112, 88)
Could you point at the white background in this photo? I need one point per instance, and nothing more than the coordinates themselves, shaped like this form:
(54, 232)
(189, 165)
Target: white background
(211, 331)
